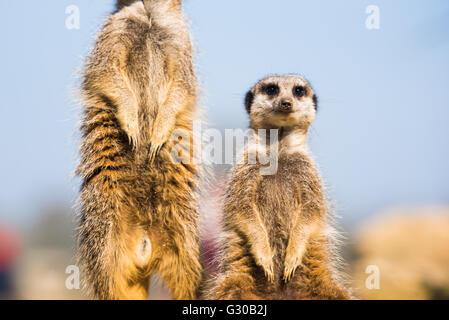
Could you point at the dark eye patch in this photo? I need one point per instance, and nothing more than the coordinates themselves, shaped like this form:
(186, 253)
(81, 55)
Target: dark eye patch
(299, 91)
(271, 90)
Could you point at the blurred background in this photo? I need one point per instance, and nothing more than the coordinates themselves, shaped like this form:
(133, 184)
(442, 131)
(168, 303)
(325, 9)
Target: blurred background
(380, 138)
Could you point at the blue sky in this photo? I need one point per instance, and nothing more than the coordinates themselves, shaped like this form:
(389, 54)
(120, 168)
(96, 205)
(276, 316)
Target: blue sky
(381, 136)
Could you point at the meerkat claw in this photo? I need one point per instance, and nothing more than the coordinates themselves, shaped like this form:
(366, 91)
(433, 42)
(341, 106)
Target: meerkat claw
(288, 274)
(268, 270)
(291, 264)
(269, 274)
(154, 151)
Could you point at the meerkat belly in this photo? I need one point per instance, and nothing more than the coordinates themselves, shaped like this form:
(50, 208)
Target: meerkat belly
(276, 206)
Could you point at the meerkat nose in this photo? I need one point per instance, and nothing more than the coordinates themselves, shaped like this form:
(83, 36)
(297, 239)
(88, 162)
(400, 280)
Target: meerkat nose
(286, 105)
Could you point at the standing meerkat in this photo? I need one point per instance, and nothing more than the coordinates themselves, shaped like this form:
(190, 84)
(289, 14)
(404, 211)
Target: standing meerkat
(139, 208)
(275, 241)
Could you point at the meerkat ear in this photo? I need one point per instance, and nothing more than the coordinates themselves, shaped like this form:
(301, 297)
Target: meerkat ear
(315, 101)
(249, 101)
(124, 3)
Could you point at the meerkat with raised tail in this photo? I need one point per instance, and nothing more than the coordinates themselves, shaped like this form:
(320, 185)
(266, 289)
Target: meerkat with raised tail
(139, 211)
(276, 242)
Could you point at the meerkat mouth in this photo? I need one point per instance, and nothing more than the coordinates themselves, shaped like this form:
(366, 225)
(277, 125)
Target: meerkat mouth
(282, 119)
(281, 111)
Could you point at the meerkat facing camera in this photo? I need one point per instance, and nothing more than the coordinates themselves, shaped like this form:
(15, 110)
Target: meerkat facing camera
(139, 208)
(275, 242)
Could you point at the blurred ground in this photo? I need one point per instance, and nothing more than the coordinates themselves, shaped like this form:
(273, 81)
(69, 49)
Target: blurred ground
(48, 250)
(410, 247)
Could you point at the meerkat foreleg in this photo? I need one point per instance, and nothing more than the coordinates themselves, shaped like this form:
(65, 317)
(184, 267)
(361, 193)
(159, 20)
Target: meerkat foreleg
(245, 217)
(165, 121)
(257, 235)
(299, 236)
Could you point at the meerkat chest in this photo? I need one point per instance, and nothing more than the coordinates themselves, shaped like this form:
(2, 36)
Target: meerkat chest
(277, 200)
(279, 195)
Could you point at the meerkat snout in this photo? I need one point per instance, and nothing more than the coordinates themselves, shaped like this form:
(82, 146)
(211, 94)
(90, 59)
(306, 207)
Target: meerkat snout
(286, 105)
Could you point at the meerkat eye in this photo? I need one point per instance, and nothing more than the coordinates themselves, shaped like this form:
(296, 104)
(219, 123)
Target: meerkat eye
(299, 91)
(271, 90)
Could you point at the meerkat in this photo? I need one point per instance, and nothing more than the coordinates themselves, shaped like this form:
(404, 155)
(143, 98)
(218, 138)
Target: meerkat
(139, 208)
(276, 242)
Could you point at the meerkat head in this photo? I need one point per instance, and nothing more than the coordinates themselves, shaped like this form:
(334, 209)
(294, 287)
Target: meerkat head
(281, 102)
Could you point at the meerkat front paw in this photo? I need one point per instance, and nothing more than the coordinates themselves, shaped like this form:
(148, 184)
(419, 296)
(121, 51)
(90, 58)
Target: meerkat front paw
(293, 259)
(264, 258)
(155, 147)
(159, 137)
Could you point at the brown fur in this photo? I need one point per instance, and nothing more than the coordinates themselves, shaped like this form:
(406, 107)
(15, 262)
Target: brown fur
(275, 243)
(138, 208)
